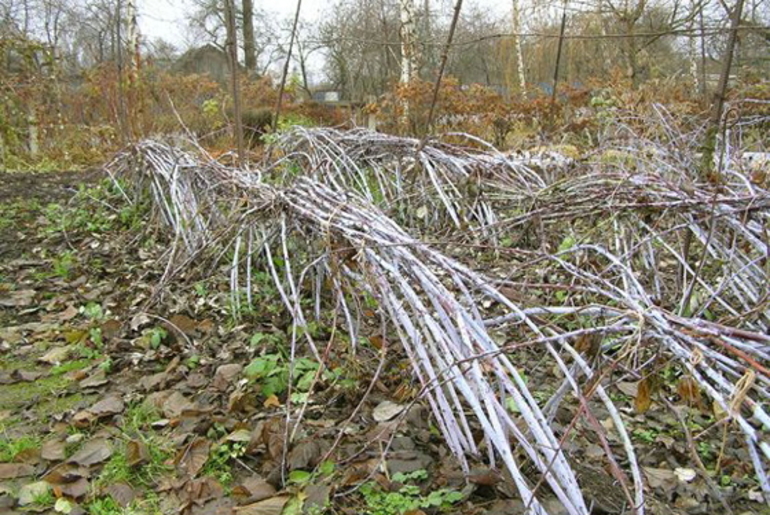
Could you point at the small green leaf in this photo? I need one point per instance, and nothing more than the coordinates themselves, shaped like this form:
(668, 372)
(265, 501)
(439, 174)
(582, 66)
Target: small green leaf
(326, 468)
(567, 243)
(299, 476)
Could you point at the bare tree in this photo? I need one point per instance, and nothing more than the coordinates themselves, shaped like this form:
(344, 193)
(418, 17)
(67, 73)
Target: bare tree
(362, 43)
(249, 50)
(232, 53)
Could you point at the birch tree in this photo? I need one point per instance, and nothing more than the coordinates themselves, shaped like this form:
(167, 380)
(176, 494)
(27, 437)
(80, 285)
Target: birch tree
(407, 36)
(518, 57)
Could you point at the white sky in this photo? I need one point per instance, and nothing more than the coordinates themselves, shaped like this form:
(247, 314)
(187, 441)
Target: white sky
(165, 18)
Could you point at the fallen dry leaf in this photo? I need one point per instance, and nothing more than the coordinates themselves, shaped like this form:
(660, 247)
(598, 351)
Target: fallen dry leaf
(273, 436)
(387, 410)
(53, 450)
(685, 475)
(29, 493)
(121, 493)
(76, 336)
(26, 376)
(17, 299)
(239, 435)
(226, 375)
(94, 451)
(175, 405)
(55, 355)
(110, 328)
(183, 323)
(137, 453)
(98, 378)
(14, 470)
(139, 321)
(202, 490)
(643, 399)
(253, 489)
(64, 505)
(660, 478)
(66, 473)
(154, 381)
(304, 454)
(75, 490)
(69, 313)
(271, 506)
(83, 419)
(192, 458)
(29, 456)
(272, 401)
(107, 407)
(317, 498)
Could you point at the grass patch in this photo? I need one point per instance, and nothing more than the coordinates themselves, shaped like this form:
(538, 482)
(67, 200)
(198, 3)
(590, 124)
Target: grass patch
(78, 364)
(137, 432)
(18, 394)
(10, 448)
(144, 475)
(104, 506)
(62, 404)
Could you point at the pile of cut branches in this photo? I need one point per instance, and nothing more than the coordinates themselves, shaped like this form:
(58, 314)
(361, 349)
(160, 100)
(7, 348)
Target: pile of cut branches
(324, 225)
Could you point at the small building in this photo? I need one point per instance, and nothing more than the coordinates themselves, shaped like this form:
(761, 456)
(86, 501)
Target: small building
(205, 60)
(329, 96)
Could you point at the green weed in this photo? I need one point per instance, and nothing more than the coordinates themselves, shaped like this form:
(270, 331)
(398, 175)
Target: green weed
(218, 464)
(645, 435)
(63, 264)
(271, 373)
(104, 506)
(407, 498)
(44, 500)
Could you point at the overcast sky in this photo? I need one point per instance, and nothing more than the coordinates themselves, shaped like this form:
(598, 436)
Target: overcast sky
(165, 18)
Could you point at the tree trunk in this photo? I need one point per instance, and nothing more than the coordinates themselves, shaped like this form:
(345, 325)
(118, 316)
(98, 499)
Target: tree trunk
(692, 53)
(406, 33)
(517, 52)
(633, 66)
(118, 53)
(286, 66)
(408, 51)
(232, 54)
(250, 53)
(702, 30)
(442, 65)
(709, 145)
(132, 34)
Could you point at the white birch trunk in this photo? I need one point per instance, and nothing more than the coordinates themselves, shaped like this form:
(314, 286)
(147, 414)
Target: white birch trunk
(407, 33)
(408, 57)
(132, 31)
(34, 139)
(518, 55)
